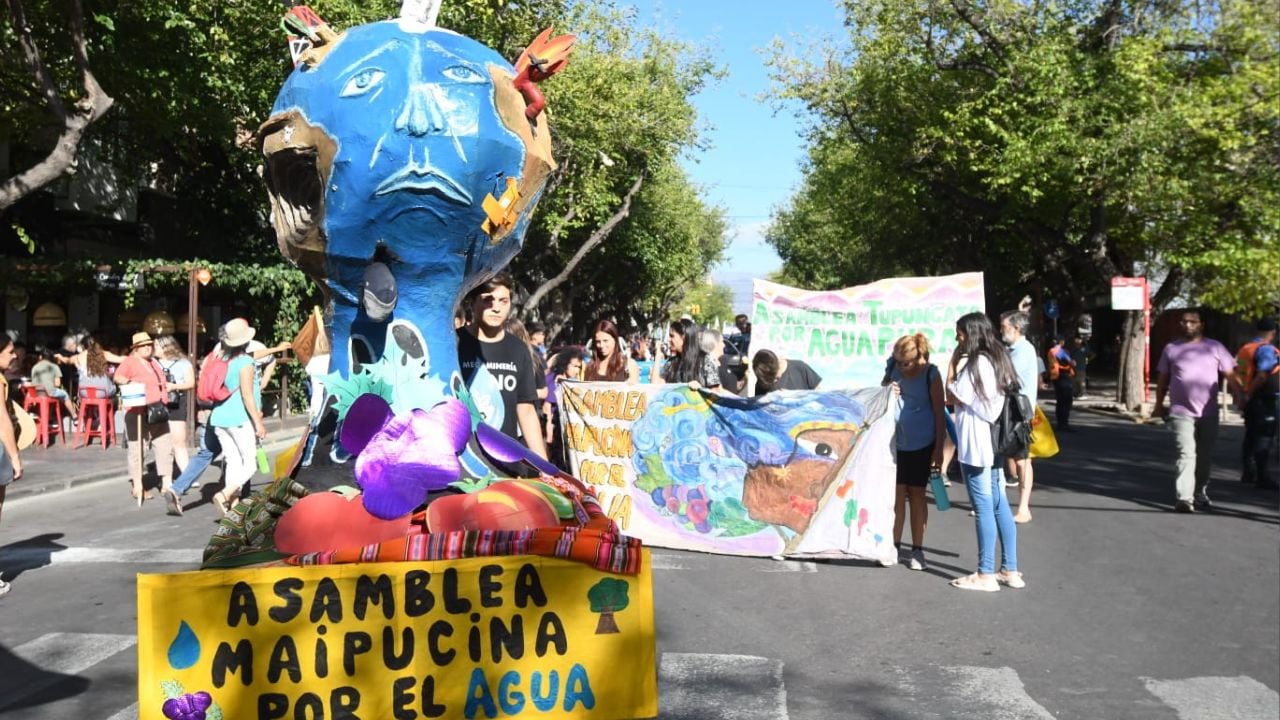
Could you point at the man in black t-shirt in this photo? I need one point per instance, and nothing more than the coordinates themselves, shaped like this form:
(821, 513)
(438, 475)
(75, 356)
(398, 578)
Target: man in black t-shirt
(498, 367)
(777, 373)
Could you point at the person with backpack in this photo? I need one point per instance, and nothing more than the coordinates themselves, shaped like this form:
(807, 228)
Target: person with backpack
(1062, 372)
(1022, 354)
(1257, 374)
(921, 434)
(237, 416)
(977, 378)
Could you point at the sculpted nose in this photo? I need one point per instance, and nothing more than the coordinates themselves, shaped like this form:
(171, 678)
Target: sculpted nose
(421, 111)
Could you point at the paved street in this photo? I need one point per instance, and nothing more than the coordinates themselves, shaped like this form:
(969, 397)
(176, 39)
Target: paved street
(1132, 611)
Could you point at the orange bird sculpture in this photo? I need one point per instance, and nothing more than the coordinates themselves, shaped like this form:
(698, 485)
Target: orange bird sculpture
(544, 57)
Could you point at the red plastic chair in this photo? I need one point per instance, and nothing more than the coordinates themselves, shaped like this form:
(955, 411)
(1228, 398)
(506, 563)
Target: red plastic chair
(31, 397)
(103, 408)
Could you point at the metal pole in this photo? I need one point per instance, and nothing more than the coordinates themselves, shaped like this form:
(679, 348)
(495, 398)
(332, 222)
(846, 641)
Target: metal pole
(193, 322)
(1146, 341)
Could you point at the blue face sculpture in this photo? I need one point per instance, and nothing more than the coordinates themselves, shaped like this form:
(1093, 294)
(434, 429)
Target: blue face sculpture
(379, 157)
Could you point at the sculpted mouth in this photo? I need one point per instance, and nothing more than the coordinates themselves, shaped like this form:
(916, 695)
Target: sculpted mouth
(425, 182)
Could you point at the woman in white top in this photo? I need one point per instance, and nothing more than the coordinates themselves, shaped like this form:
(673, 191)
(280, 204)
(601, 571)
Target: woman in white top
(181, 378)
(979, 371)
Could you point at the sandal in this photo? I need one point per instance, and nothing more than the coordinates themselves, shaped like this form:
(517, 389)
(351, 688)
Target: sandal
(1012, 579)
(220, 502)
(977, 582)
(173, 502)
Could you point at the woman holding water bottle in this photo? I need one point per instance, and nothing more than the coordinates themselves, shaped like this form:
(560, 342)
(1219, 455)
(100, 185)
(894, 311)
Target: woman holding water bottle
(237, 421)
(920, 435)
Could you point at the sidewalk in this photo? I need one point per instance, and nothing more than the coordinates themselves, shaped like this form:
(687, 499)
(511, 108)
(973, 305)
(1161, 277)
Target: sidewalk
(1101, 397)
(59, 467)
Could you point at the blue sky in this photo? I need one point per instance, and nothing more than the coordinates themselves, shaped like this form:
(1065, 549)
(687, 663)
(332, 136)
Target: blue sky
(754, 163)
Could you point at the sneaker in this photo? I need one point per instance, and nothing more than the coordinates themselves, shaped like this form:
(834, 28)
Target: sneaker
(917, 560)
(5, 588)
(977, 582)
(173, 503)
(1012, 579)
(1184, 506)
(886, 562)
(1203, 502)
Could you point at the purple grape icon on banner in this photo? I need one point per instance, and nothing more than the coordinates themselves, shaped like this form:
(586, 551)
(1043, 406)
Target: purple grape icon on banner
(192, 706)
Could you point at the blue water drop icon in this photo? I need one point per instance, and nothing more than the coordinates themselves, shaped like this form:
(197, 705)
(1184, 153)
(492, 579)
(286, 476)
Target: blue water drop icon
(184, 651)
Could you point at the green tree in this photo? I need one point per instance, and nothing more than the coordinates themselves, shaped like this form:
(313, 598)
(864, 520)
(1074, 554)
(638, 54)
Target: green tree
(708, 303)
(608, 597)
(191, 84)
(1052, 145)
(621, 229)
(30, 84)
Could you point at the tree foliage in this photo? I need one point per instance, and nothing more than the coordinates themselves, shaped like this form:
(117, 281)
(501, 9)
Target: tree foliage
(709, 304)
(622, 117)
(192, 81)
(1049, 144)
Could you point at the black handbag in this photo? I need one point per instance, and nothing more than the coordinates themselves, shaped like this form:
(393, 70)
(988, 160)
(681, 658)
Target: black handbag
(157, 412)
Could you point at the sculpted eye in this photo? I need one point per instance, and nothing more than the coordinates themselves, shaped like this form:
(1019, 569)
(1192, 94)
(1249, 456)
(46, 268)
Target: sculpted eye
(820, 449)
(463, 74)
(362, 82)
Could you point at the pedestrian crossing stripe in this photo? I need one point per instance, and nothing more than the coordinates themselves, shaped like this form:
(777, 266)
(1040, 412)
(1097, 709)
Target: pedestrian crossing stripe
(706, 686)
(59, 656)
(41, 556)
(1217, 698)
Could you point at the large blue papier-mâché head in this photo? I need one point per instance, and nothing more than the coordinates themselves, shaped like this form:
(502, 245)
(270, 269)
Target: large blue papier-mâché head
(379, 154)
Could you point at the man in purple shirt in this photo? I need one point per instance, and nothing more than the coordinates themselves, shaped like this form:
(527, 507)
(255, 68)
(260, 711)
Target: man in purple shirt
(1191, 373)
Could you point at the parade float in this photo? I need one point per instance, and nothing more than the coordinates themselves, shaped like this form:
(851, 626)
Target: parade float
(396, 567)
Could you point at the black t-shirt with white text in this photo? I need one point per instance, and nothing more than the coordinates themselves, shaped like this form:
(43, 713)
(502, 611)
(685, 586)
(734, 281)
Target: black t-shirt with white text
(511, 368)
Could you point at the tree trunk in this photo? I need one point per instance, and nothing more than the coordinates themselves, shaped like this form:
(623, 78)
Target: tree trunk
(596, 238)
(1129, 392)
(607, 625)
(95, 103)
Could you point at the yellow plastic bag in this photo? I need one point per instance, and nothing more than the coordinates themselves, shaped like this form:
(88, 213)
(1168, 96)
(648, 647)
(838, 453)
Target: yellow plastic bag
(1044, 444)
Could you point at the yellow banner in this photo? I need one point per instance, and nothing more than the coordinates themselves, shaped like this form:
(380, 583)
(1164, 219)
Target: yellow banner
(477, 638)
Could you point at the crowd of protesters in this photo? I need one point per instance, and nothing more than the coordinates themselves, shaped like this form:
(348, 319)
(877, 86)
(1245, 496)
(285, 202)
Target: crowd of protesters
(945, 410)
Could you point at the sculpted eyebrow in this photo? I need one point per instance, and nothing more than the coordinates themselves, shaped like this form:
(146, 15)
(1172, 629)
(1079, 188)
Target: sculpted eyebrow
(353, 66)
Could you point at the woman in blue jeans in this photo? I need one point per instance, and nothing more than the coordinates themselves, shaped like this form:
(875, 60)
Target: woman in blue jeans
(979, 371)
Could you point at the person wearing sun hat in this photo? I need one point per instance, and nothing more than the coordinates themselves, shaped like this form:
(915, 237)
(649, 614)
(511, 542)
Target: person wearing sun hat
(140, 366)
(237, 421)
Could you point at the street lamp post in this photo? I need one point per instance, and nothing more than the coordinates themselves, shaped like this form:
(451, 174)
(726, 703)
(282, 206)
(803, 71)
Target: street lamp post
(196, 278)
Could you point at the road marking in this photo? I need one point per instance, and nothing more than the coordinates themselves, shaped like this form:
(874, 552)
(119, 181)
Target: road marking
(697, 686)
(55, 656)
(1217, 698)
(129, 713)
(993, 693)
(666, 562)
(40, 557)
(804, 566)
